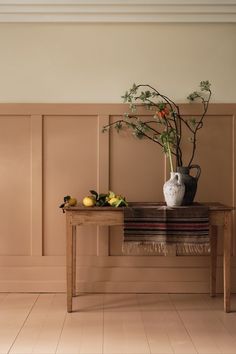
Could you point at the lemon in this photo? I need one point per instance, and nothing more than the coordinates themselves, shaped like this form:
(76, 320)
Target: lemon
(113, 201)
(89, 201)
(72, 201)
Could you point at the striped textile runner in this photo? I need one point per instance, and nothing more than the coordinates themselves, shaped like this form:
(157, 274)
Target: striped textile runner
(158, 229)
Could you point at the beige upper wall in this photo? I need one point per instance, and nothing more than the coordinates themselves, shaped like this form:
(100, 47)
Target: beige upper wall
(98, 62)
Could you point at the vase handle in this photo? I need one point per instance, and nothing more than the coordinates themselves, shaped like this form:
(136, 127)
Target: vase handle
(198, 168)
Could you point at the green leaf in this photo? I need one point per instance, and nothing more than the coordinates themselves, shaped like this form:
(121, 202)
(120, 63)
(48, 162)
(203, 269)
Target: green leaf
(125, 97)
(105, 129)
(161, 105)
(118, 126)
(193, 96)
(134, 88)
(94, 193)
(102, 200)
(192, 121)
(102, 195)
(138, 134)
(67, 198)
(133, 108)
(205, 85)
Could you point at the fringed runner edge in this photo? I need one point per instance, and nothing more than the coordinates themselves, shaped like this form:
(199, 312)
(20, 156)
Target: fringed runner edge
(164, 249)
(166, 231)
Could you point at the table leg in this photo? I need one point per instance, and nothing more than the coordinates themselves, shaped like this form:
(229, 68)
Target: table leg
(69, 262)
(227, 259)
(213, 257)
(74, 259)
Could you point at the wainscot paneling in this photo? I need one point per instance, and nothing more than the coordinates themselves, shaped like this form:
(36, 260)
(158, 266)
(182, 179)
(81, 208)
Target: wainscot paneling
(48, 151)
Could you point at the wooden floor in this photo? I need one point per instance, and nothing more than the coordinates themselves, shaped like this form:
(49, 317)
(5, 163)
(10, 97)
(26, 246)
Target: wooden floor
(116, 324)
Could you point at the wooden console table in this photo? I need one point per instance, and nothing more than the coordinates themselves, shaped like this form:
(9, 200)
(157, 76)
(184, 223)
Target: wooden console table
(219, 215)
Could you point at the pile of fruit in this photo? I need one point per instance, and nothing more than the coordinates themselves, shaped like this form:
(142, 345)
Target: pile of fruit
(96, 199)
(68, 202)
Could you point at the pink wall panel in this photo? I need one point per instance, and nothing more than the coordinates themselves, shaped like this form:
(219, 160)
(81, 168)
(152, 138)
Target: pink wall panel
(70, 168)
(137, 167)
(15, 186)
(50, 150)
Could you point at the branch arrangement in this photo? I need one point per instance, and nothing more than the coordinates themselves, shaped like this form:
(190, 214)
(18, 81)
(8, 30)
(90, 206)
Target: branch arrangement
(165, 125)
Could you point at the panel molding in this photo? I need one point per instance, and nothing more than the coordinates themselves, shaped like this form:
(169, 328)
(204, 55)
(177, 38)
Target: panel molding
(30, 279)
(36, 185)
(107, 109)
(113, 261)
(27, 274)
(118, 11)
(234, 178)
(102, 180)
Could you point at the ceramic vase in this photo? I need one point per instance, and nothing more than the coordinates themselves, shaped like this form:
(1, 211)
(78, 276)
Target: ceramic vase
(174, 190)
(190, 182)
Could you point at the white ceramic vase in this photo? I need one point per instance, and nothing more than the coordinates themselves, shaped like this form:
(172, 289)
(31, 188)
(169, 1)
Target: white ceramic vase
(174, 190)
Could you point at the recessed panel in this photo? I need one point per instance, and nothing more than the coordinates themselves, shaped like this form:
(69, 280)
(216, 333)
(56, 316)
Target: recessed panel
(15, 184)
(214, 154)
(136, 167)
(70, 168)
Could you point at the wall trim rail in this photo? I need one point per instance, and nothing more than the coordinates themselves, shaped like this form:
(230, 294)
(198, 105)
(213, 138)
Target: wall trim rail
(134, 11)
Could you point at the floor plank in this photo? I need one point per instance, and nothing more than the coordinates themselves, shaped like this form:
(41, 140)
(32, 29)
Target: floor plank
(121, 302)
(166, 333)
(203, 324)
(149, 302)
(190, 301)
(124, 330)
(29, 334)
(124, 333)
(14, 310)
(207, 332)
(83, 330)
(52, 324)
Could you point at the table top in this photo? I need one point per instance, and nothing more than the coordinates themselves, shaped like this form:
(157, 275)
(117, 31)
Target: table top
(213, 206)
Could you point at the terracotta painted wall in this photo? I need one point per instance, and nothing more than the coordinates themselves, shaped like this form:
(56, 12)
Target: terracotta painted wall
(48, 151)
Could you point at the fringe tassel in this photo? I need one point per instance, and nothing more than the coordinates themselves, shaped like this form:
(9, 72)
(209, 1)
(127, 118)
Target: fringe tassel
(193, 249)
(162, 248)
